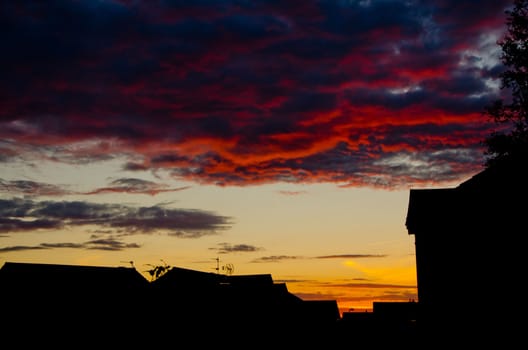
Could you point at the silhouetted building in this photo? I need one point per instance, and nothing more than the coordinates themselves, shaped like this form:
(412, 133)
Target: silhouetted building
(57, 302)
(386, 317)
(195, 296)
(469, 250)
(398, 312)
(324, 311)
(115, 303)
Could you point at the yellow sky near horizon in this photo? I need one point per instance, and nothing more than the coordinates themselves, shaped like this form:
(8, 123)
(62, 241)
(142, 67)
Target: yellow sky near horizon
(323, 241)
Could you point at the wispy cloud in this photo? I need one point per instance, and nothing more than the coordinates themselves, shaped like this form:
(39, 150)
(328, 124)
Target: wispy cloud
(94, 244)
(122, 185)
(351, 256)
(225, 248)
(18, 248)
(373, 285)
(292, 193)
(31, 188)
(133, 185)
(275, 258)
(279, 258)
(19, 215)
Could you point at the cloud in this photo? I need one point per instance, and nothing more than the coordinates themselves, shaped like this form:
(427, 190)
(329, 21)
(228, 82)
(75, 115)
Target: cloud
(292, 193)
(109, 244)
(375, 285)
(132, 185)
(19, 215)
(94, 244)
(121, 185)
(18, 248)
(31, 188)
(351, 256)
(275, 258)
(279, 258)
(240, 93)
(226, 248)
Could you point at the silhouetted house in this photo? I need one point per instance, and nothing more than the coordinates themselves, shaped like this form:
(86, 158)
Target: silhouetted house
(468, 249)
(206, 297)
(187, 304)
(69, 299)
(397, 310)
(323, 312)
(386, 317)
(69, 278)
(396, 317)
(247, 306)
(358, 319)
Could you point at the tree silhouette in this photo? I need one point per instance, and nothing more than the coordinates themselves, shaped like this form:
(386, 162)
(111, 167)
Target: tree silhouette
(158, 270)
(511, 142)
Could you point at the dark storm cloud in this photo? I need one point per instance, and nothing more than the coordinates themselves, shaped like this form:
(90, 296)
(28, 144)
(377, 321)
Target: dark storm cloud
(308, 102)
(453, 12)
(25, 215)
(242, 92)
(461, 94)
(463, 84)
(353, 18)
(433, 136)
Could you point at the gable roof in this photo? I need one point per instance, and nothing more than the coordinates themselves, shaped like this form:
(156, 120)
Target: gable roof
(426, 207)
(177, 276)
(324, 310)
(46, 276)
(499, 191)
(502, 177)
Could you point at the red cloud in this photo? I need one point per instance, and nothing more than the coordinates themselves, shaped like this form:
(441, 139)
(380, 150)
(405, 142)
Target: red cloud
(237, 94)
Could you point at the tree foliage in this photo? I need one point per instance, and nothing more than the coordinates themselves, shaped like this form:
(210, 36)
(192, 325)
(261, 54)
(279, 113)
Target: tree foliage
(511, 142)
(158, 270)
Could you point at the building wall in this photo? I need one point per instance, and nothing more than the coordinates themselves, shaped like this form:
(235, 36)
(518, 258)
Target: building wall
(470, 252)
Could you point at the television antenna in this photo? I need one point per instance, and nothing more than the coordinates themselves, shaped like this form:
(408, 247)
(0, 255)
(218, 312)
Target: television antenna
(228, 268)
(129, 262)
(217, 268)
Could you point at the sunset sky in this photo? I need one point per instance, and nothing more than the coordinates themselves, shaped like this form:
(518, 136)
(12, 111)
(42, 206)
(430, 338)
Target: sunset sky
(280, 137)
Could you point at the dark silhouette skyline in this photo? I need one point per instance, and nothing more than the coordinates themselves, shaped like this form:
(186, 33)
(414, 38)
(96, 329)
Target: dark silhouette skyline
(484, 213)
(117, 304)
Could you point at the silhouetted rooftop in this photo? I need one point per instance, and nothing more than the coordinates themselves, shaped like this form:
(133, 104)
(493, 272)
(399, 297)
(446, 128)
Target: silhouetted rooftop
(71, 276)
(494, 190)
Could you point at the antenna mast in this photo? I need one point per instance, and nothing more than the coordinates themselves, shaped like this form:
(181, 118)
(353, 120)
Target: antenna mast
(227, 268)
(130, 262)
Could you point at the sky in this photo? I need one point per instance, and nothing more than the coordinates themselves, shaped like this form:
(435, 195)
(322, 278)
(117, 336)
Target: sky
(240, 137)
